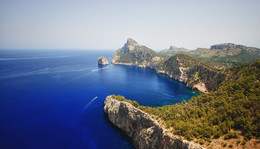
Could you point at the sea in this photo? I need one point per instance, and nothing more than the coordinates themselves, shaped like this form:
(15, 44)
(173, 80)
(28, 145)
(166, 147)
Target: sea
(53, 99)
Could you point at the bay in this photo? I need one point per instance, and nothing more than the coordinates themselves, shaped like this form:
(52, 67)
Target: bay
(54, 98)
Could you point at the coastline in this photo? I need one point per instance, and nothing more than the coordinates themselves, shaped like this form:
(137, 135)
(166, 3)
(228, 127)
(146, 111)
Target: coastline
(145, 131)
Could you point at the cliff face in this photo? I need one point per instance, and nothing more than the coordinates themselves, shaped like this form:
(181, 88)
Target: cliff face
(191, 72)
(144, 130)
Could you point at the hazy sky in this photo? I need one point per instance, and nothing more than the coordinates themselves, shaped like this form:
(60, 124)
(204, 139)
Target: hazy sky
(106, 24)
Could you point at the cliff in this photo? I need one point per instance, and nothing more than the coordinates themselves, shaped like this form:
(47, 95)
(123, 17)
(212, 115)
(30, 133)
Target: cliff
(195, 74)
(145, 131)
(133, 53)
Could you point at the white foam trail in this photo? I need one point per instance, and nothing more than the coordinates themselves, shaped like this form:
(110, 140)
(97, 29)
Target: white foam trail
(29, 58)
(99, 69)
(168, 95)
(90, 103)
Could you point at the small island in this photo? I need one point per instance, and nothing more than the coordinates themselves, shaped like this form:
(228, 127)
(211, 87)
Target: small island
(102, 60)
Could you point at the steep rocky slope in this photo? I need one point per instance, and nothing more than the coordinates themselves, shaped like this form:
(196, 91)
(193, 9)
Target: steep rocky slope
(133, 53)
(197, 75)
(146, 132)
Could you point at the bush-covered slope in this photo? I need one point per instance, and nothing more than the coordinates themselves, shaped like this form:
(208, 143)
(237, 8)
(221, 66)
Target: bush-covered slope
(235, 105)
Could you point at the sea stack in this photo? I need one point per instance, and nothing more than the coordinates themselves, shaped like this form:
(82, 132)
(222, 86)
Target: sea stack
(102, 60)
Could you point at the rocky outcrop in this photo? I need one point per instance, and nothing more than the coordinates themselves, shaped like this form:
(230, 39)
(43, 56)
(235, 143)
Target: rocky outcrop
(102, 60)
(133, 53)
(145, 132)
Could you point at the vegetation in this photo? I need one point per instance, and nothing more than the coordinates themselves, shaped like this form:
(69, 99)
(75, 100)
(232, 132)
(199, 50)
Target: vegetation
(127, 58)
(234, 106)
(229, 56)
(122, 98)
(186, 61)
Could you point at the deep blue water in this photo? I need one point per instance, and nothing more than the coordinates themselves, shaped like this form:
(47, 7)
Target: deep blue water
(45, 98)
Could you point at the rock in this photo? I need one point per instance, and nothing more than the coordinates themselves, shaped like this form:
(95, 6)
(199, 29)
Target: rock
(145, 132)
(133, 53)
(102, 60)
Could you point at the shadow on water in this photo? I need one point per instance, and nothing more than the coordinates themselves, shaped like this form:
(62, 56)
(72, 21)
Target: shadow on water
(91, 121)
(100, 66)
(121, 133)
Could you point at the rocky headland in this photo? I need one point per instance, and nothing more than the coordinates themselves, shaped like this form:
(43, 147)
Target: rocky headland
(194, 73)
(145, 132)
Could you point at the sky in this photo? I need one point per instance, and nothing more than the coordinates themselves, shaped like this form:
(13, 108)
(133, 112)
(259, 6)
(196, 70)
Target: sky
(106, 24)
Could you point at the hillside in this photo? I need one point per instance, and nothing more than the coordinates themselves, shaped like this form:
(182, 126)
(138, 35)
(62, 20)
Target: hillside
(196, 74)
(227, 54)
(230, 112)
(220, 55)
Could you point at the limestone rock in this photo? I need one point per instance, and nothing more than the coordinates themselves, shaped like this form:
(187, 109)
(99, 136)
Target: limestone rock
(133, 53)
(146, 132)
(102, 60)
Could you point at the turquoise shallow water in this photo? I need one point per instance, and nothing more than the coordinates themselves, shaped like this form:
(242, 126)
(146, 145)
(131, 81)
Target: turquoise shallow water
(54, 98)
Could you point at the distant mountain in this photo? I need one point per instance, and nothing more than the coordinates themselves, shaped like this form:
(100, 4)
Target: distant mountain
(173, 50)
(227, 54)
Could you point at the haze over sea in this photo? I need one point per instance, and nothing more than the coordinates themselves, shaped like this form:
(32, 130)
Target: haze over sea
(54, 98)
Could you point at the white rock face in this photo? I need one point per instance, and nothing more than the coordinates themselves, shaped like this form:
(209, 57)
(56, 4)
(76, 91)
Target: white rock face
(102, 60)
(146, 132)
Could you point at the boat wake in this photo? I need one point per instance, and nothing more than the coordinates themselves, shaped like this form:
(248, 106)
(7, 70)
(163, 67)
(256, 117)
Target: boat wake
(86, 106)
(83, 75)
